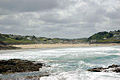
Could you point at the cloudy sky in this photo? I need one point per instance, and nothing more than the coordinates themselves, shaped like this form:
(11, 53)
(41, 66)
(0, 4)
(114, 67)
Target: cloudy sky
(59, 18)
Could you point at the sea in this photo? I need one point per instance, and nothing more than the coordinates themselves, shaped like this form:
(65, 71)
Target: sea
(66, 63)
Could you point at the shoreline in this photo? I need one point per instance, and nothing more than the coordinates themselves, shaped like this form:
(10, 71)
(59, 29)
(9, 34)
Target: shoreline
(37, 46)
(8, 47)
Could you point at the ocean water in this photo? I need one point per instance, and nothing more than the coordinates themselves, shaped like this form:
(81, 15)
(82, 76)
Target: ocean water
(67, 63)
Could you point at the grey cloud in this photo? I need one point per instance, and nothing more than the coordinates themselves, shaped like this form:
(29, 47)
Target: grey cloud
(10, 21)
(59, 18)
(27, 5)
(114, 15)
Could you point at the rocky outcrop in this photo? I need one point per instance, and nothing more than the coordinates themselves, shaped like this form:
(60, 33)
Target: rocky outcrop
(112, 68)
(17, 65)
(2, 43)
(4, 46)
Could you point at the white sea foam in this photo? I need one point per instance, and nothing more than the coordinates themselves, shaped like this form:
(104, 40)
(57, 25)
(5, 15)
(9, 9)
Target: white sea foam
(72, 63)
(83, 76)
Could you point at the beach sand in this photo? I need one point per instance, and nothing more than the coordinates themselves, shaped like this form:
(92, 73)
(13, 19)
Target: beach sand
(33, 46)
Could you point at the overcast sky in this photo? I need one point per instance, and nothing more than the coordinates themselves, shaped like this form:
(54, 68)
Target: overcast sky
(59, 18)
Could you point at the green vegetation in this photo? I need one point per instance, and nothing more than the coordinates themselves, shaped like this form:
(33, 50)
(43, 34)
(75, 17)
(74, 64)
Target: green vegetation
(105, 37)
(18, 39)
(101, 37)
(14, 39)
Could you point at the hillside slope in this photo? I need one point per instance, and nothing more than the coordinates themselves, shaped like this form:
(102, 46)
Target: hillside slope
(18, 39)
(105, 37)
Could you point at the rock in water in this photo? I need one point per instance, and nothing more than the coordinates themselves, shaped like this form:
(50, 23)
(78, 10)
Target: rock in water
(99, 69)
(17, 65)
(113, 68)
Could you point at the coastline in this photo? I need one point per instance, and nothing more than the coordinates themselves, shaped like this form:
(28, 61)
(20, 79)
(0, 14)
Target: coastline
(35, 46)
(8, 47)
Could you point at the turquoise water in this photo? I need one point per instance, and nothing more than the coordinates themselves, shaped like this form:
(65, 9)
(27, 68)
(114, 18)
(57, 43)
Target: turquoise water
(69, 63)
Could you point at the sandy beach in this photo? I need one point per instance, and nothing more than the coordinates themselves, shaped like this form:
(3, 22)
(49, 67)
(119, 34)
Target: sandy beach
(33, 46)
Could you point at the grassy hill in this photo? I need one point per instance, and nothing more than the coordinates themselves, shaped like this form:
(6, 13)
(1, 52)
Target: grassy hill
(100, 37)
(18, 39)
(105, 37)
(14, 39)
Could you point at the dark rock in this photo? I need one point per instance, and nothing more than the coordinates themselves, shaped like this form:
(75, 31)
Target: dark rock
(7, 47)
(4, 46)
(17, 65)
(99, 69)
(2, 43)
(113, 68)
(116, 70)
(36, 77)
